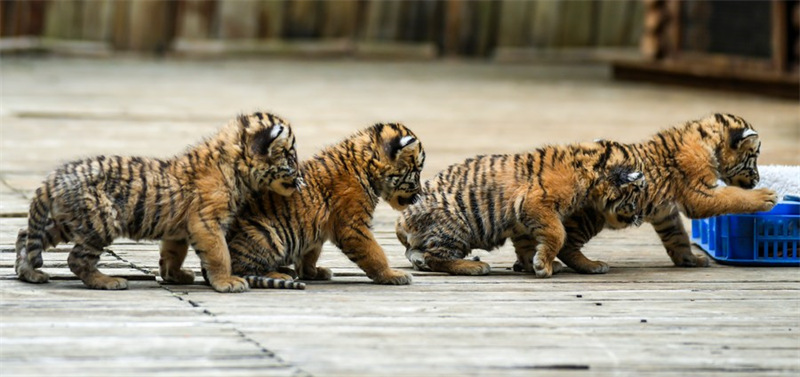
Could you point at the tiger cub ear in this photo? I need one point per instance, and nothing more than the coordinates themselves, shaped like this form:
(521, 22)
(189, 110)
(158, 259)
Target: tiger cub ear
(400, 143)
(264, 138)
(742, 136)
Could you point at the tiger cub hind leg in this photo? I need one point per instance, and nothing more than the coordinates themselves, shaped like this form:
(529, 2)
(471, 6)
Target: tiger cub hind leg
(457, 266)
(307, 267)
(450, 260)
(82, 262)
(669, 227)
(525, 248)
(28, 270)
(173, 253)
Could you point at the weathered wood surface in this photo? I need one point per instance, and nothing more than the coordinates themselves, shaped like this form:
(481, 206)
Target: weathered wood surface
(644, 317)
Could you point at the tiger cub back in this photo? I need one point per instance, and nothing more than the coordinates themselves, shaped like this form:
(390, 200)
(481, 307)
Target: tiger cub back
(485, 200)
(344, 185)
(185, 200)
(683, 166)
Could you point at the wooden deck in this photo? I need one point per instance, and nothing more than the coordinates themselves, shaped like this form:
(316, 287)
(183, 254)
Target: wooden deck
(643, 318)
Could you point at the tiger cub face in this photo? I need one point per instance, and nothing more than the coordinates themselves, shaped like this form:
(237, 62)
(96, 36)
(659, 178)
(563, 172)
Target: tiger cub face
(619, 195)
(738, 155)
(271, 155)
(400, 177)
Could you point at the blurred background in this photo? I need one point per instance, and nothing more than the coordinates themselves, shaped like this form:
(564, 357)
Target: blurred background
(755, 43)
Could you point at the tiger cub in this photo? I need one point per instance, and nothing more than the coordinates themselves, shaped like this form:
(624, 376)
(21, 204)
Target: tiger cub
(187, 200)
(344, 183)
(482, 201)
(682, 166)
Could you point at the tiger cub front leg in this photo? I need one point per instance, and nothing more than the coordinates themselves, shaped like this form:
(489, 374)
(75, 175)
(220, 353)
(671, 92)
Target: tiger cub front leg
(581, 227)
(358, 244)
(728, 200)
(548, 231)
(525, 248)
(670, 229)
(173, 253)
(208, 241)
(308, 269)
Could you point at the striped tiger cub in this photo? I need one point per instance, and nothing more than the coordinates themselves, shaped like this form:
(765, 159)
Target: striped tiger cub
(682, 166)
(187, 200)
(479, 203)
(344, 184)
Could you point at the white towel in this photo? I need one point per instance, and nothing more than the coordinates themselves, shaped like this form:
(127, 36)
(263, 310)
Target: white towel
(783, 179)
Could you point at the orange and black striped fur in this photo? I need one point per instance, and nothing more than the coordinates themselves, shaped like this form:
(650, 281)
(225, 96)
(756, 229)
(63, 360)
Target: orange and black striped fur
(682, 166)
(190, 199)
(479, 203)
(344, 184)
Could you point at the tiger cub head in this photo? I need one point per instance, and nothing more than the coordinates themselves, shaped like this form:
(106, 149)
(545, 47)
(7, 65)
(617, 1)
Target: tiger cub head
(268, 146)
(401, 163)
(618, 196)
(737, 154)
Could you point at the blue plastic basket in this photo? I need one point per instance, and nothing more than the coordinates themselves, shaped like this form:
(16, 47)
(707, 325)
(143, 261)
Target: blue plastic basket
(759, 239)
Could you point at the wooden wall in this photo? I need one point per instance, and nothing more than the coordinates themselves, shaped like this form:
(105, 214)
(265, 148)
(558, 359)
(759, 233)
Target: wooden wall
(454, 27)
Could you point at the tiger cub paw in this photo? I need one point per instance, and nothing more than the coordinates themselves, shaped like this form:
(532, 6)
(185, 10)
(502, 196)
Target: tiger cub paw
(229, 284)
(33, 276)
(180, 276)
(592, 267)
(764, 199)
(542, 268)
(323, 273)
(107, 282)
(520, 267)
(393, 277)
(693, 260)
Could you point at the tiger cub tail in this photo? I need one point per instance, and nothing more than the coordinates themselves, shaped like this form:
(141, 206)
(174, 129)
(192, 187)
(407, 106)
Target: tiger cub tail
(29, 251)
(270, 283)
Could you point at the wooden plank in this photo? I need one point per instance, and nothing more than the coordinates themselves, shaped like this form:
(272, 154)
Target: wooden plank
(544, 27)
(339, 19)
(196, 19)
(456, 22)
(149, 23)
(96, 20)
(302, 19)
(780, 36)
(63, 19)
(273, 14)
(120, 38)
(239, 19)
(381, 20)
(614, 19)
(513, 23)
(577, 23)
(784, 86)
(486, 21)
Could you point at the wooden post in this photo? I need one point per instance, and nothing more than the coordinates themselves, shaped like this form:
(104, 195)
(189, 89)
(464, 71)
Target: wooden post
(239, 19)
(779, 40)
(63, 19)
(273, 13)
(195, 19)
(339, 19)
(97, 16)
(512, 26)
(302, 19)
